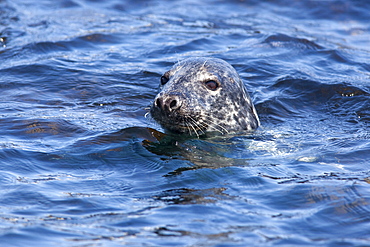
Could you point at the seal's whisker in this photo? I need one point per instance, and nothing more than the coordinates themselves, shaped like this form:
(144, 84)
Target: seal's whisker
(200, 126)
(204, 64)
(195, 126)
(217, 127)
(188, 126)
(191, 127)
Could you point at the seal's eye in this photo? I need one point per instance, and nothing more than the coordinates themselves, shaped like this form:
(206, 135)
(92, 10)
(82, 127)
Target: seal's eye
(211, 85)
(164, 79)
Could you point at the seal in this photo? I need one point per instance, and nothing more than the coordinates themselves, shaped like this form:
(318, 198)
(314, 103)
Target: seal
(202, 94)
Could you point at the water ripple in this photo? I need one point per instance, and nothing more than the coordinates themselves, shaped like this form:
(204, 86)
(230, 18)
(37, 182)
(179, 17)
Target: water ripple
(81, 165)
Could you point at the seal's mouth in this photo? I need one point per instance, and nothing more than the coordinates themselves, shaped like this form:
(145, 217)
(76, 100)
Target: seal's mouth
(188, 125)
(179, 120)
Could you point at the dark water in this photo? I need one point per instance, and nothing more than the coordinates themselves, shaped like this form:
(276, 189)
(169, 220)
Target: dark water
(80, 165)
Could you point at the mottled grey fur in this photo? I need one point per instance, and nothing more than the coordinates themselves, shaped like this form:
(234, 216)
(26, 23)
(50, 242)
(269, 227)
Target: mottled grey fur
(186, 105)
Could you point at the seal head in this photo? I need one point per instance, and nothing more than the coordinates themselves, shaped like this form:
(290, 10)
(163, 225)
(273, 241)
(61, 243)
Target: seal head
(200, 95)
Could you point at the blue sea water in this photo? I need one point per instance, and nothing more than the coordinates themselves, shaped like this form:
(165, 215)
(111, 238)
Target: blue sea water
(81, 165)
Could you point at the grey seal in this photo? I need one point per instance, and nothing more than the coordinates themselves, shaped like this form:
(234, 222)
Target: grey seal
(203, 94)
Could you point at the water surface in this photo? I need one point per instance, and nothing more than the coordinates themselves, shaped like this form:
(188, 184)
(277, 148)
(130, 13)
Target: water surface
(81, 165)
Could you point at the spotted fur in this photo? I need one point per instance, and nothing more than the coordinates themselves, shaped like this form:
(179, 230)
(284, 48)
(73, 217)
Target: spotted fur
(200, 95)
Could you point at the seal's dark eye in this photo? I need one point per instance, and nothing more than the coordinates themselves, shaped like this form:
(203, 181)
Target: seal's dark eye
(164, 80)
(211, 85)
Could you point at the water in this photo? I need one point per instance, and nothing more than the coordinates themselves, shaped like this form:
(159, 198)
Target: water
(80, 165)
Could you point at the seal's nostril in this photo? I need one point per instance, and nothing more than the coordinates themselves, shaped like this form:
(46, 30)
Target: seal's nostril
(173, 104)
(167, 102)
(158, 103)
